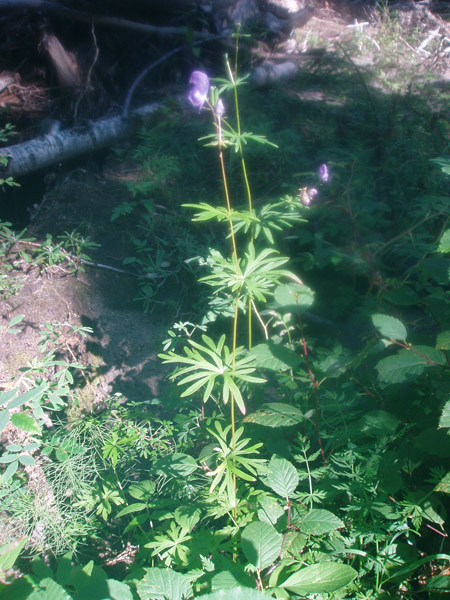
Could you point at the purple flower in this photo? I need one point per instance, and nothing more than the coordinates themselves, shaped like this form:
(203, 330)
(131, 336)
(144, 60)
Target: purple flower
(323, 173)
(219, 108)
(306, 195)
(199, 90)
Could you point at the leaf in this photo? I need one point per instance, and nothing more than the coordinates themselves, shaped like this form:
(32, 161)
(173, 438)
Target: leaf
(176, 465)
(29, 396)
(444, 485)
(4, 419)
(319, 521)
(104, 589)
(26, 460)
(443, 163)
(10, 552)
(236, 593)
(160, 584)
(261, 544)
(25, 423)
(379, 422)
(275, 357)
(6, 397)
(15, 320)
(443, 340)
(321, 578)
(389, 327)
(48, 589)
(282, 477)
(293, 295)
(438, 583)
(270, 510)
(131, 508)
(225, 580)
(407, 363)
(444, 242)
(187, 516)
(444, 421)
(275, 414)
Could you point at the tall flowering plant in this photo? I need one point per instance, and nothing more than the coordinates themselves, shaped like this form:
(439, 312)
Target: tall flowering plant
(241, 283)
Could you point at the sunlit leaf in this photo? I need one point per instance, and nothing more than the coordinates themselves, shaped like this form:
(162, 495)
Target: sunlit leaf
(321, 578)
(261, 544)
(389, 327)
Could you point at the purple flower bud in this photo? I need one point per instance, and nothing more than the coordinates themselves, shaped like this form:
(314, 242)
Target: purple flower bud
(219, 108)
(199, 90)
(323, 173)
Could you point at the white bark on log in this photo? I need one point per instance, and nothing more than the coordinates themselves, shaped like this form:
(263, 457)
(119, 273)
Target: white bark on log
(46, 150)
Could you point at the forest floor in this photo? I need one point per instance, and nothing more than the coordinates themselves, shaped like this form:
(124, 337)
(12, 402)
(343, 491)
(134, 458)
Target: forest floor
(120, 354)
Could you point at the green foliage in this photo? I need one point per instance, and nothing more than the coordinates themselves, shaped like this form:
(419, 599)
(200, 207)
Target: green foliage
(335, 484)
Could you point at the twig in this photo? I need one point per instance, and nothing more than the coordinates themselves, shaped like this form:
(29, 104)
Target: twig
(89, 74)
(102, 20)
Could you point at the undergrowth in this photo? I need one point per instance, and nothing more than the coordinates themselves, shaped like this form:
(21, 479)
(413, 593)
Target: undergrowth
(301, 450)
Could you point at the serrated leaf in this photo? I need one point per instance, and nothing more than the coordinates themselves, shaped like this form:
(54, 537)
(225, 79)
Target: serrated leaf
(321, 578)
(408, 363)
(379, 422)
(48, 589)
(444, 242)
(160, 584)
(293, 296)
(389, 327)
(270, 510)
(261, 544)
(275, 414)
(232, 578)
(274, 357)
(444, 421)
(319, 521)
(282, 477)
(443, 340)
(25, 423)
(237, 593)
(444, 485)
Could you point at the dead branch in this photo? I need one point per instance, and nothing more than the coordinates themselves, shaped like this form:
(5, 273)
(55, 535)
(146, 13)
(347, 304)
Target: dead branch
(46, 150)
(101, 20)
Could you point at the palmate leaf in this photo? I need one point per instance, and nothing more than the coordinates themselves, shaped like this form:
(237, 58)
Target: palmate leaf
(261, 544)
(210, 363)
(208, 212)
(253, 277)
(321, 578)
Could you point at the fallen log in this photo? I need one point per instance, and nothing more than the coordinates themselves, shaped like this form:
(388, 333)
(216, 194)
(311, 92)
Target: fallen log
(47, 150)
